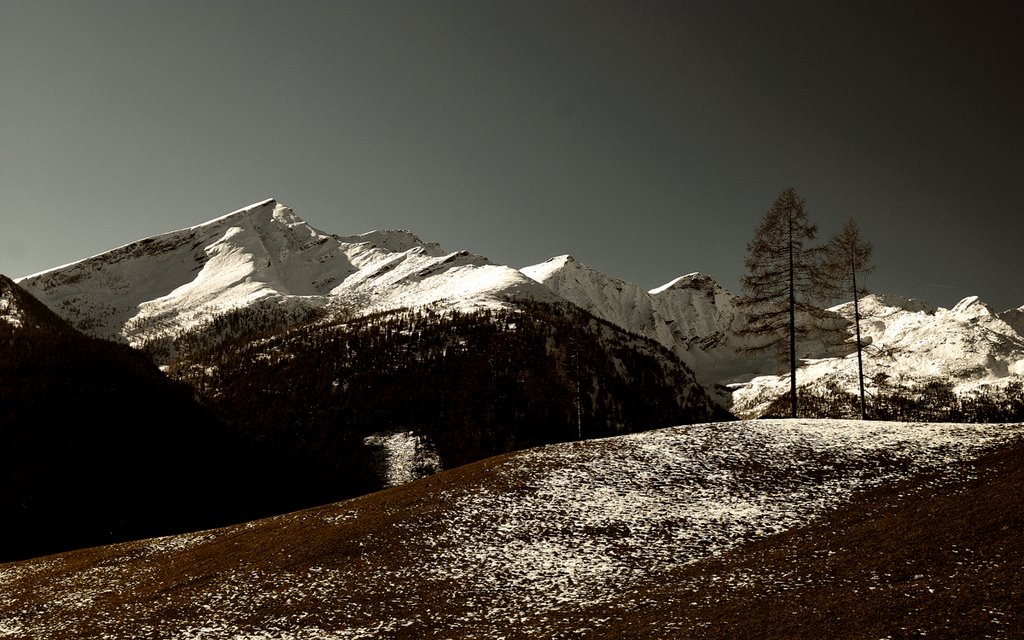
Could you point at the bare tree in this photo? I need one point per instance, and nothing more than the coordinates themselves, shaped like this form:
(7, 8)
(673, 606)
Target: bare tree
(780, 277)
(845, 257)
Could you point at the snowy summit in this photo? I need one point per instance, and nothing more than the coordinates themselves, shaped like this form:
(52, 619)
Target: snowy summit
(265, 256)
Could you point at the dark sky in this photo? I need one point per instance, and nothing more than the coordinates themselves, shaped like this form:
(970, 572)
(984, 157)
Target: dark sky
(645, 138)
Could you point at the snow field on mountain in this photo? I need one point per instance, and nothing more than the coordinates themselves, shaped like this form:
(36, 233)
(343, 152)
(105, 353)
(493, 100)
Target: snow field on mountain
(907, 340)
(265, 254)
(537, 536)
(173, 282)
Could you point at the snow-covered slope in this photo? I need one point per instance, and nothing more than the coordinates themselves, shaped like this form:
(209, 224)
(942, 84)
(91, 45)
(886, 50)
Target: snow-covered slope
(692, 315)
(11, 312)
(1014, 318)
(909, 342)
(534, 542)
(264, 254)
(969, 342)
(19, 310)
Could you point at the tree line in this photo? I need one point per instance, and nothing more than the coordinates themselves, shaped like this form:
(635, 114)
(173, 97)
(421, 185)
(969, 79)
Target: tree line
(931, 400)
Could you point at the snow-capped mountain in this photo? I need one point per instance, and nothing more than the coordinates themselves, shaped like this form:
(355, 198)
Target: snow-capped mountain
(264, 254)
(274, 327)
(968, 343)
(909, 342)
(691, 315)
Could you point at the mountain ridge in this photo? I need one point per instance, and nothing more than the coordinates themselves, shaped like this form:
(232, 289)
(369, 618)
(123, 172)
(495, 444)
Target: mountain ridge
(330, 353)
(266, 255)
(98, 445)
(259, 254)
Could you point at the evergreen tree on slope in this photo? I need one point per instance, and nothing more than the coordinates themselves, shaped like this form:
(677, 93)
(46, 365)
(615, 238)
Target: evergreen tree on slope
(780, 278)
(845, 257)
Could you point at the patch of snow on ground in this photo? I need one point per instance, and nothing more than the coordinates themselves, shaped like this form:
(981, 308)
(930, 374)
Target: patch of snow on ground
(585, 520)
(404, 456)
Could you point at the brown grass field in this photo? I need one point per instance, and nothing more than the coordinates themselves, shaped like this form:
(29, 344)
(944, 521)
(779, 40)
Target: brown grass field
(488, 551)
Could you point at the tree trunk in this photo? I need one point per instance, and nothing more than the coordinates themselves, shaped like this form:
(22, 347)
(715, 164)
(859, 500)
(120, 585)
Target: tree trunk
(856, 321)
(792, 326)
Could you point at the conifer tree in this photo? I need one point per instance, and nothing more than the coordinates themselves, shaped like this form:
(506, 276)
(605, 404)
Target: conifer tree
(845, 257)
(780, 278)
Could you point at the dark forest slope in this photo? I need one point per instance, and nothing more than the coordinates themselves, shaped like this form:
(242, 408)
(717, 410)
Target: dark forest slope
(473, 385)
(97, 445)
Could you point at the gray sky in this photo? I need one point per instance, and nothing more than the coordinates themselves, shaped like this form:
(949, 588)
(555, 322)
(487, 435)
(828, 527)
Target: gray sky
(645, 138)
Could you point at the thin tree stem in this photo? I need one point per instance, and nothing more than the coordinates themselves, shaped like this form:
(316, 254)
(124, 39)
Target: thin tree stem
(856, 321)
(792, 325)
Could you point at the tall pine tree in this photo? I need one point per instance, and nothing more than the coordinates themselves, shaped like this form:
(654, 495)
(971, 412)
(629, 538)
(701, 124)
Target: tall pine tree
(780, 278)
(845, 257)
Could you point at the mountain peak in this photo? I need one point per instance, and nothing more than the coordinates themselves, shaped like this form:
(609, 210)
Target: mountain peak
(394, 240)
(551, 267)
(972, 306)
(695, 280)
(264, 254)
(254, 210)
(876, 301)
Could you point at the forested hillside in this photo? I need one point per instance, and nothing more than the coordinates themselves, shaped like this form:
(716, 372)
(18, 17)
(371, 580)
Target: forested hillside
(473, 384)
(97, 445)
(933, 400)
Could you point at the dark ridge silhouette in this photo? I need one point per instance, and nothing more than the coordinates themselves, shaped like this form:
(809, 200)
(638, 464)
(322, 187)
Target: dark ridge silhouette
(97, 445)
